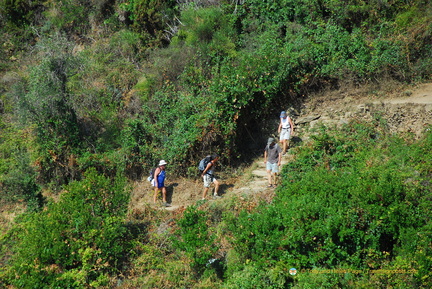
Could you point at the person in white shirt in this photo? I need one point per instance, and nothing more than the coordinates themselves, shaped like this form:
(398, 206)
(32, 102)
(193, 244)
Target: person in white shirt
(285, 130)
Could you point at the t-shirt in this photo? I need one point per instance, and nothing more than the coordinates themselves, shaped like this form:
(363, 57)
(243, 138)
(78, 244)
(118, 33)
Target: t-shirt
(273, 152)
(285, 123)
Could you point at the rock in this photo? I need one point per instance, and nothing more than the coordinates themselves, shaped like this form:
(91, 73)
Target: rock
(307, 119)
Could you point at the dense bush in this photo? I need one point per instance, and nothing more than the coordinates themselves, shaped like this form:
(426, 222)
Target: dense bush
(351, 200)
(196, 239)
(74, 243)
(43, 101)
(150, 18)
(17, 177)
(20, 13)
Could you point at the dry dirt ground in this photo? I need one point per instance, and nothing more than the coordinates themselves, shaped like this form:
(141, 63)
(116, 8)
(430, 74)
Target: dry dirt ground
(407, 109)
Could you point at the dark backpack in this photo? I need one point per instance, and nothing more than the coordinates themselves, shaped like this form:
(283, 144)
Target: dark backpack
(151, 176)
(203, 163)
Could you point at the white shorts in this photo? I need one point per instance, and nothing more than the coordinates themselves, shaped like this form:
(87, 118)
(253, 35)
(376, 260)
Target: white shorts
(274, 168)
(208, 179)
(285, 134)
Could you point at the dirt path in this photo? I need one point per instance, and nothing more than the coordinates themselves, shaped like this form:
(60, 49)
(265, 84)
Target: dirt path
(406, 110)
(252, 184)
(421, 95)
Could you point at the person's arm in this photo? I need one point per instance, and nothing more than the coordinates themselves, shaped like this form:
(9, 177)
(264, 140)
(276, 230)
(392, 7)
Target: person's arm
(265, 156)
(280, 126)
(292, 125)
(209, 165)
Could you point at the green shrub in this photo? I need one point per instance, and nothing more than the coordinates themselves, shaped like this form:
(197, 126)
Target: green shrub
(76, 242)
(17, 176)
(149, 18)
(195, 239)
(350, 199)
(43, 102)
(20, 13)
(254, 276)
(70, 16)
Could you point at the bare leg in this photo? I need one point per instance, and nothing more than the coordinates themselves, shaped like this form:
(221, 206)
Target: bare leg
(164, 194)
(156, 191)
(275, 179)
(284, 146)
(205, 193)
(269, 177)
(216, 182)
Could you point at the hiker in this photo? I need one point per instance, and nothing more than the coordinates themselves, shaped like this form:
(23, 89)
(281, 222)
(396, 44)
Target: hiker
(272, 161)
(209, 178)
(159, 182)
(286, 130)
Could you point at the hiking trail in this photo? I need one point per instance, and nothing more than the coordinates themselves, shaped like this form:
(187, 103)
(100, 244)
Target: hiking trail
(406, 110)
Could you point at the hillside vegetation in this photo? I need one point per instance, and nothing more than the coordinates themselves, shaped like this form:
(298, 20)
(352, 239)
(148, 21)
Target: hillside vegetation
(95, 93)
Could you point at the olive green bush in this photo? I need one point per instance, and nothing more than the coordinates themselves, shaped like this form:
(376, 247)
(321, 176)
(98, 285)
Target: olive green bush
(19, 13)
(42, 100)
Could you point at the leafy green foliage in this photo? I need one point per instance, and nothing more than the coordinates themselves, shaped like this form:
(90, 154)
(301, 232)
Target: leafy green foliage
(351, 199)
(18, 178)
(196, 239)
(149, 18)
(70, 15)
(104, 97)
(45, 103)
(253, 276)
(76, 242)
(18, 12)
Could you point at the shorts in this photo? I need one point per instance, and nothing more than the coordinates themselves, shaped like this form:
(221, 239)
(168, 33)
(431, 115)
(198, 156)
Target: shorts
(274, 168)
(285, 134)
(208, 179)
(160, 184)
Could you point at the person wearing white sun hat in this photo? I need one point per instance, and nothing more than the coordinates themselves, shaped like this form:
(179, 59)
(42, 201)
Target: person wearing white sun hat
(159, 182)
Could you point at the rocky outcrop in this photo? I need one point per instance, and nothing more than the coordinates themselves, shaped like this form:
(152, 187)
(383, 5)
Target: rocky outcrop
(412, 113)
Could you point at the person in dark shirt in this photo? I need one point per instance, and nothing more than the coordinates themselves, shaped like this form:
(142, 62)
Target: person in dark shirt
(272, 160)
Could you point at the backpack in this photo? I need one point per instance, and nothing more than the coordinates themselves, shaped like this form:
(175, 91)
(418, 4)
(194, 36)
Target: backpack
(203, 163)
(151, 174)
